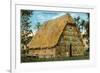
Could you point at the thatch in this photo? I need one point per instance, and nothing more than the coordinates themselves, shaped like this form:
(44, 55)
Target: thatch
(48, 35)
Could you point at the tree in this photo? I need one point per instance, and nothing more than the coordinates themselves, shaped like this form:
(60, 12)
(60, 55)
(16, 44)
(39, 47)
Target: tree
(83, 24)
(87, 25)
(77, 21)
(25, 27)
(80, 23)
(38, 25)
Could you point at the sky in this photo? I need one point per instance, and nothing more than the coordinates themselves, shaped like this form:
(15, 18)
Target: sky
(43, 16)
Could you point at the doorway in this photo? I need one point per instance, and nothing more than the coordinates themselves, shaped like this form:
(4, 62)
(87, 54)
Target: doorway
(70, 50)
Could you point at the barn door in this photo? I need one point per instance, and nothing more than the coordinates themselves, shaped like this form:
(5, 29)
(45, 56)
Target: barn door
(70, 50)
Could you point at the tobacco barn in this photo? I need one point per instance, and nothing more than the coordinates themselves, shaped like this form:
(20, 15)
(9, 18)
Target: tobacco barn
(58, 37)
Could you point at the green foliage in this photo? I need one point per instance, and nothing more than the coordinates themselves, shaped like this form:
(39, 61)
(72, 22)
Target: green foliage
(25, 20)
(32, 59)
(38, 25)
(84, 25)
(25, 26)
(26, 12)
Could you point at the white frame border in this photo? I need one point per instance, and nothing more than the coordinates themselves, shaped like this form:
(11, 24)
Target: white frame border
(52, 65)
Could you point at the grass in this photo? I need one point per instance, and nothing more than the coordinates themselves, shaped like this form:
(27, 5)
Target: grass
(32, 59)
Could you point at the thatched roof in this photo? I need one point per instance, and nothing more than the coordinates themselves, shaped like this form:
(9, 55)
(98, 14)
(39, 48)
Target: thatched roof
(48, 35)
